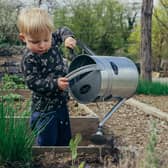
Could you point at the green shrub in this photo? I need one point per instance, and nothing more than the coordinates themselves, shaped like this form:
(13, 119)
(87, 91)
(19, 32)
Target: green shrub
(11, 96)
(12, 82)
(152, 88)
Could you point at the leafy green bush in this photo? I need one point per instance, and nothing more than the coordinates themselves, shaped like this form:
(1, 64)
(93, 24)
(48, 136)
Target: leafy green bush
(11, 96)
(152, 88)
(8, 17)
(12, 82)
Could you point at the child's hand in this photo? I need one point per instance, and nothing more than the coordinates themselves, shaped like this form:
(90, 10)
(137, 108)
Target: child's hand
(63, 83)
(70, 42)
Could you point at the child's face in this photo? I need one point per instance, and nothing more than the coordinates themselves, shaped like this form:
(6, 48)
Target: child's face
(37, 44)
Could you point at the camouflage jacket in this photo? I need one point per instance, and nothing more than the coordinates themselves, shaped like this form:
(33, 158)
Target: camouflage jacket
(41, 74)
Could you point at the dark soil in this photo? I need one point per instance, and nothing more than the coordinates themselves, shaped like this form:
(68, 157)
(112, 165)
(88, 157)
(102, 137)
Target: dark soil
(63, 160)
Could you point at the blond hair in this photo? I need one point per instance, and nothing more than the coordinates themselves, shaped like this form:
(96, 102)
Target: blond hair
(34, 21)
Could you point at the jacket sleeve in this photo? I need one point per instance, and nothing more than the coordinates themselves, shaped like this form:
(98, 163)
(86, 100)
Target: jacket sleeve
(60, 35)
(35, 81)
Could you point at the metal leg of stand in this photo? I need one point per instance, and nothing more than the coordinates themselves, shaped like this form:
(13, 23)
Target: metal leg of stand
(109, 114)
(98, 138)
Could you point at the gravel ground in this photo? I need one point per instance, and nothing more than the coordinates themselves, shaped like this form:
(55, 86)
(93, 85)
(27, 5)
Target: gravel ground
(131, 126)
(160, 102)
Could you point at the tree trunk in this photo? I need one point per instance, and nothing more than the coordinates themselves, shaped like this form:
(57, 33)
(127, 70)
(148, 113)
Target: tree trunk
(39, 2)
(146, 50)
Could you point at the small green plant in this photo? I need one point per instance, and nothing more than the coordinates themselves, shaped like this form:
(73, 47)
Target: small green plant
(12, 82)
(26, 110)
(151, 160)
(11, 96)
(152, 88)
(73, 144)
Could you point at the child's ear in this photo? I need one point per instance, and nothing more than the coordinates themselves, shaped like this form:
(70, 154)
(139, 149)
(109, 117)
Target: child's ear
(22, 37)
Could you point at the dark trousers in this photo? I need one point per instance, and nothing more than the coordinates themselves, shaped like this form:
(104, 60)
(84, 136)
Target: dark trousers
(53, 128)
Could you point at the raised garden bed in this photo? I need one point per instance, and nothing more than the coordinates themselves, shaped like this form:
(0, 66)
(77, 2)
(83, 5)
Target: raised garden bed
(83, 121)
(94, 156)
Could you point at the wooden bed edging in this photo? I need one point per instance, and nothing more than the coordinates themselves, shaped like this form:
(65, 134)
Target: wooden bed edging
(148, 109)
(100, 149)
(39, 150)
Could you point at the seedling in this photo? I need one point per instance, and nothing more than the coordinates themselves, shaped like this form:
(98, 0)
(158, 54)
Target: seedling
(73, 144)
